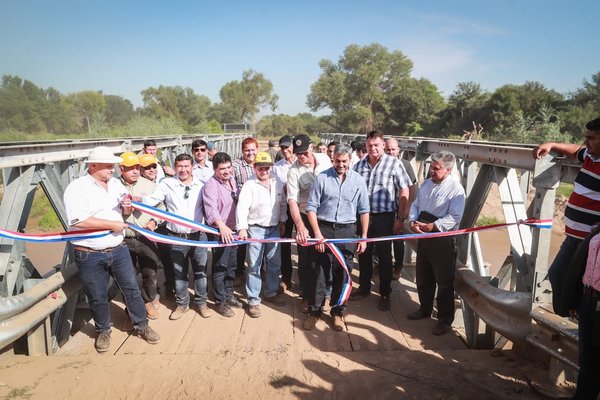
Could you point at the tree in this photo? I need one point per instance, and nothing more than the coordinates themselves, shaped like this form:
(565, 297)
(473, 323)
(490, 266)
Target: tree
(465, 106)
(589, 93)
(242, 100)
(86, 105)
(118, 110)
(181, 104)
(356, 88)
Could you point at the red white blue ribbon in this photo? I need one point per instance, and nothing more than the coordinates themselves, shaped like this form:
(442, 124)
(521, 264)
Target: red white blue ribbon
(55, 237)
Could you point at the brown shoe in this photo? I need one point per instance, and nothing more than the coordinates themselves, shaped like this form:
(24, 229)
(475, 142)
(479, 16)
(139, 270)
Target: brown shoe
(149, 335)
(225, 310)
(151, 311)
(338, 323)
(254, 311)
(277, 300)
(204, 311)
(310, 322)
(102, 343)
(178, 312)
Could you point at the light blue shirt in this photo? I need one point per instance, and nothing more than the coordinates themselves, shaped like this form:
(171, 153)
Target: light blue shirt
(445, 200)
(336, 201)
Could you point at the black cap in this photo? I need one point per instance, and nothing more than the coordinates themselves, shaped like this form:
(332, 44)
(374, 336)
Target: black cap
(301, 143)
(285, 140)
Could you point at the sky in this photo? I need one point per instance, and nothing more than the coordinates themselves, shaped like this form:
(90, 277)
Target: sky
(123, 47)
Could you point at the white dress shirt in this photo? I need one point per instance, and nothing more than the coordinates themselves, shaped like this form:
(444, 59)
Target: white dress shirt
(259, 205)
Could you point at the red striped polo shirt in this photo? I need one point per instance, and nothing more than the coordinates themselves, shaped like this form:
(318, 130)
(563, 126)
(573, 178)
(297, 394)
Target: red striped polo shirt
(583, 207)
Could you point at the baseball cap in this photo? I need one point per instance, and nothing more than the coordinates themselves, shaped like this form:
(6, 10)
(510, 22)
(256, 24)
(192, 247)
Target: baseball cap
(147, 159)
(210, 146)
(285, 140)
(129, 159)
(263, 159)
(301, 143)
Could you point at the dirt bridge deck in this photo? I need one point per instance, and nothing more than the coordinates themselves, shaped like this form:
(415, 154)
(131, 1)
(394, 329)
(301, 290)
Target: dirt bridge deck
(378, 355)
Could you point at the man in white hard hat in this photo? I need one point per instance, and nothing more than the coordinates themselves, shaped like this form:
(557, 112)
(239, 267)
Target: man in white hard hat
(97, 200)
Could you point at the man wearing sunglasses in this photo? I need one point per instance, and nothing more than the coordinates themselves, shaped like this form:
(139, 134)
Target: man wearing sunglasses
(300, 178)
(181, 195)
(202, 168)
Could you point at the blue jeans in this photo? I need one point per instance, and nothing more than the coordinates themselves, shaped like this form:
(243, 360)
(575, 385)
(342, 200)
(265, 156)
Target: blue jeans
(255, 257)
(181, 257)
(588, 385)
(95, 269)
(224, 262)
(558, 270)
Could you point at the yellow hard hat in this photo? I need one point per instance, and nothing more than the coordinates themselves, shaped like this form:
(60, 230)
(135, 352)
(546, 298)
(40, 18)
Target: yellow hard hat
(129, 159)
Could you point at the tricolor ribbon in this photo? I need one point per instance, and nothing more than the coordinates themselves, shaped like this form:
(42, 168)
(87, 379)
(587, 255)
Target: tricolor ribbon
(55, 237)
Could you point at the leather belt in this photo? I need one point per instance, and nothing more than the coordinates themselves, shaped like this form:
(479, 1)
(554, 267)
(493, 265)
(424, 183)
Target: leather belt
(90, 250)
(334, 225)
(192, 235)
(263, 227)
(590, 292)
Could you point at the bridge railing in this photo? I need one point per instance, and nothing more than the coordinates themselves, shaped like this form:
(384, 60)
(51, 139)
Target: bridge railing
(522, 283)
(41, 308)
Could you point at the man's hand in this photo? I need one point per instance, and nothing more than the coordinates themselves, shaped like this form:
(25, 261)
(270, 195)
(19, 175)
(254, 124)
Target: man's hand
(226, 233)
(398, 225)
(541, 150)
(116, 226)
(320, 246)
(302, 234)
(151, 225)
(168, 170)
(361, 247)
(243, 234)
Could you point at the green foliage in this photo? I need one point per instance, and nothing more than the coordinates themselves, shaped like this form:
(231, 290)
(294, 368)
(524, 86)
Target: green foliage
(179, 104)
(484, 220)
(564, 189)
(242, 100)
(43, 213)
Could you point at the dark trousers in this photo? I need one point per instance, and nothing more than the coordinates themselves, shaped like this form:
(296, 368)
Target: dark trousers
(588, 382)
(144, 255)
(436, 262)
(164, 252)
(286, 251)
(241, 260)
(224, 262)
(94, 271)
(328, 265)
(379, 225)
(398, 253)
(306, 261)
(557, 272)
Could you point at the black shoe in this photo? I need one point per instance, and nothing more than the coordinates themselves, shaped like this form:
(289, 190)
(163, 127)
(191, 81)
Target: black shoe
(384, 303)
(415, 315)
(358, 294)
(441, 329)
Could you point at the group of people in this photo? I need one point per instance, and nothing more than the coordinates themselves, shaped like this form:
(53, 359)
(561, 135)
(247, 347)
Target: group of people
(321, 192)
(337, 194)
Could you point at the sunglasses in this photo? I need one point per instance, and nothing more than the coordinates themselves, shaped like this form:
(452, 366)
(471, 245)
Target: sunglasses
(151, 166)
(303, 154)
(197, 149)
(186, 195)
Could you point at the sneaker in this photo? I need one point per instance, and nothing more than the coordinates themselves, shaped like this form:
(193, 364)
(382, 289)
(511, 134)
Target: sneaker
(178, 312)
(149, 335)
(204, 311)
(415, 315)
(102, 343)
(151, 311)
(441, 329)
(310, 322)
(276, 300)
(358, 294)
(225, 310)
(233, 302)
(254, 311)
(338, 323)
(384, 303)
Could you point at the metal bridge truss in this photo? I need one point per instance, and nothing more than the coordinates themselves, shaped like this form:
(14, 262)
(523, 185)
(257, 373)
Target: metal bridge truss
(26, 308)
